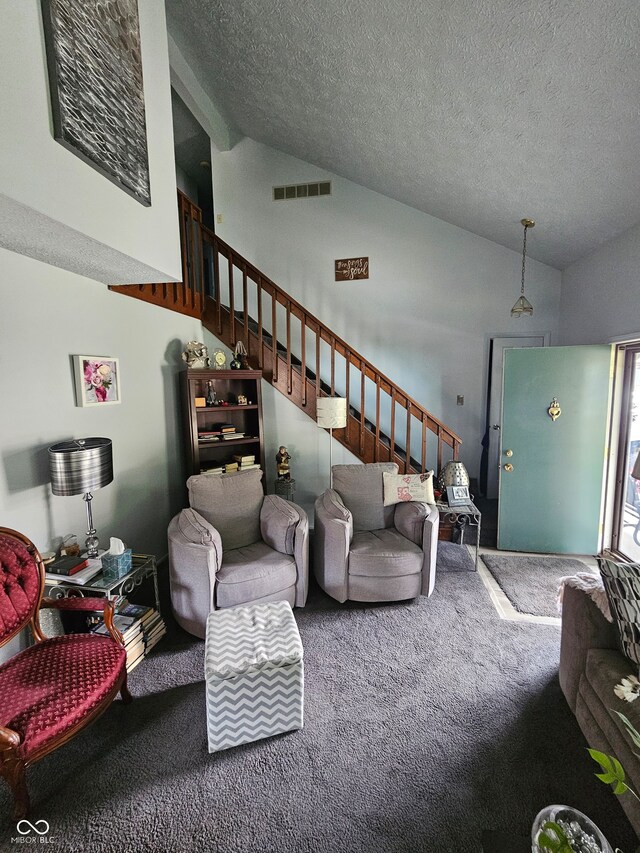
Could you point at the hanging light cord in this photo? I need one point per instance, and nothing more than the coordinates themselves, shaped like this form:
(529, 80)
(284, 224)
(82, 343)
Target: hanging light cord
(524, 254)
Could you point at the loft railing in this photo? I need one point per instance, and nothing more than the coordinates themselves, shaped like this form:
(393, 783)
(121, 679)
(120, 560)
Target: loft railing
(298, 353)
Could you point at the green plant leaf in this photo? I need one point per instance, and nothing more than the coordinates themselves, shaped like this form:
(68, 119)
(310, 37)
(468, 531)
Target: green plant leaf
(631, 729)
(551, 837)
(613, 771)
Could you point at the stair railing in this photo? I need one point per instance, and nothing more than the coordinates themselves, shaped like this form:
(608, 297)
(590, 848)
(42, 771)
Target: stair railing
(384, 422)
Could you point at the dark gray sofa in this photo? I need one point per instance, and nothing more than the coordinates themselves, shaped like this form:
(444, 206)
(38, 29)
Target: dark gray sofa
(590, 667)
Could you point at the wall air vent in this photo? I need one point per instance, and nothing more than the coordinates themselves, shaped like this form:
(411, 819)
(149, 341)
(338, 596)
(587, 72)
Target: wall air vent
(292, 191)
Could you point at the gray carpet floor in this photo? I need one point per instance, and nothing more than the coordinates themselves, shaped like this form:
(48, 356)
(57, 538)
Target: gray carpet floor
(426, 723)
(531, 582)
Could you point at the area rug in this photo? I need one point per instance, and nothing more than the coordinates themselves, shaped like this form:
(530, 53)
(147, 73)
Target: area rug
(425, 724)
(531, 582)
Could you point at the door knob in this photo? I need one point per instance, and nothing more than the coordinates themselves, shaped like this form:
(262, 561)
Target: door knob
(508, 453)
(495, 426)
(508, 467)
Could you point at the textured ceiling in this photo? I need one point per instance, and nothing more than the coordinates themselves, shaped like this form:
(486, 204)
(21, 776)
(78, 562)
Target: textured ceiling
(478, 112)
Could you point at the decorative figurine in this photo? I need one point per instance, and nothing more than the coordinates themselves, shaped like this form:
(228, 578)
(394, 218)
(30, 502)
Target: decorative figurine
(196, 355)
(211, 394)
(283, 464)
(242, 400)
(239, 357)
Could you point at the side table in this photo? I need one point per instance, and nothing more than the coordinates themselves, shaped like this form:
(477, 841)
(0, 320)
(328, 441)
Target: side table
(285, 489)
(144, 566)
(460, 517)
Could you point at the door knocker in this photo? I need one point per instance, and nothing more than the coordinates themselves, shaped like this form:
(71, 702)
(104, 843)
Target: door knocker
(554, 411)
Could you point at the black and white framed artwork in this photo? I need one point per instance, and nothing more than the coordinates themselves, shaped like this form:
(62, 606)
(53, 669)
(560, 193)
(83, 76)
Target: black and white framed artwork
(97, 94)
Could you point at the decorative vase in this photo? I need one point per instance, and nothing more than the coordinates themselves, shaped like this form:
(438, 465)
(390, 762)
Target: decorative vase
(582, 833)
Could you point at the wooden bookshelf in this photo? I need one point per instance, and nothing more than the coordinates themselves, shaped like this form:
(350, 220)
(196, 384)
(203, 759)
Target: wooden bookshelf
(228, 385)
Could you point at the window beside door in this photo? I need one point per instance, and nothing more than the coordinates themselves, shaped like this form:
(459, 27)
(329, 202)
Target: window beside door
(626, 527)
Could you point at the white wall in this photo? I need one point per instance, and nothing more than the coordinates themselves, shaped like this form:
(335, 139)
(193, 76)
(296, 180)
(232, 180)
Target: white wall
(49, 315)
(599, 301)
(37, 174)
(435, 295)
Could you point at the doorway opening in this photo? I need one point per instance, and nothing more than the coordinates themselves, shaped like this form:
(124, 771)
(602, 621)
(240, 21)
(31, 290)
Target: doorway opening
(192, 148)
(626, 514)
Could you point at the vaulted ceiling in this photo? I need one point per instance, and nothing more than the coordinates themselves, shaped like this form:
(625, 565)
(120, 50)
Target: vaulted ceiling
(478, 112)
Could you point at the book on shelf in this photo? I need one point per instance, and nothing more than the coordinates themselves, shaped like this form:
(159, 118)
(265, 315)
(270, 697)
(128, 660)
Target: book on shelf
(231, 435)
(249, 459)
(209, 438)
(129, 626)
(217, 470)
(230, 467)
(251, 467)
(83, 576)
(67, 565)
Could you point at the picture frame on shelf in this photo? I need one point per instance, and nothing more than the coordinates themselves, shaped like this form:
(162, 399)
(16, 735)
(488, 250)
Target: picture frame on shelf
(97, 380)
(458, 495)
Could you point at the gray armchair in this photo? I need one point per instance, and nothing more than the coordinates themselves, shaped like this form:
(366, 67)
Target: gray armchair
(365, 551)
(235, 545)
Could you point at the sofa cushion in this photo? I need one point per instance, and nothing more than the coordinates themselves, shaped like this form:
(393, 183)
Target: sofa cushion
(278, 523)
(231, 503)
(360, 488)
(408, 487)
(195, 528)
(383, 553)
(622, 585)
(252, 572)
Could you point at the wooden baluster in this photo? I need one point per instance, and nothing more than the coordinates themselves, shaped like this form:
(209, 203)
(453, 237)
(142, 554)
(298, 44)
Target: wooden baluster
(392, 437)
(259, 292)
(376, 450)
(362, 391)
(333, 366)
(407, 463)
(245, 304)
(216, 283)
(197, 297)
(456, 449)
(303, 357)
(439, 449)
(289, 376)
(274, 336)
(232, 312)
(317, 362)
(347, 379)
(424, 444)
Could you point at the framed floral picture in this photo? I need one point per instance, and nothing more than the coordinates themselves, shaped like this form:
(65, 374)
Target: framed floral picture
(97, 380)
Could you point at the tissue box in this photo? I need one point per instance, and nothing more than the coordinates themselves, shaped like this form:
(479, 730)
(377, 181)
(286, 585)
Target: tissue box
(114, 566)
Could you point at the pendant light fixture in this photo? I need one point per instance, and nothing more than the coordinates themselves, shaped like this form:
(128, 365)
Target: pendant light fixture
(523, 306)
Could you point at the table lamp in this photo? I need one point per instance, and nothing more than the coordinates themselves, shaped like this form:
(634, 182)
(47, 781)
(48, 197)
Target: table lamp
(77, 467)
(331, 413)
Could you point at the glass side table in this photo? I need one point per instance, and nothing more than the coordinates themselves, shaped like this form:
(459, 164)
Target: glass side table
(461, 517)
(143, 566)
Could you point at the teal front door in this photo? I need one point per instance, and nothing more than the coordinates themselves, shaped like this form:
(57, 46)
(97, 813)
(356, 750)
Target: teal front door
(552, 471)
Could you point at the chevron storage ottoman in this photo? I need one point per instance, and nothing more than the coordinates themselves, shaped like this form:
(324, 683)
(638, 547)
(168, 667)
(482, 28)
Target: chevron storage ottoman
(254, 674)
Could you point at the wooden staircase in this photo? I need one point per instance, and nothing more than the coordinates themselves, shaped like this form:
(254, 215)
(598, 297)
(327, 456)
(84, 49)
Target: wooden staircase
(297, 353)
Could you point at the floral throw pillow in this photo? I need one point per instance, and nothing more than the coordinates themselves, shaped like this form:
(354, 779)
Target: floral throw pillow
(408, 487)
(622, 585)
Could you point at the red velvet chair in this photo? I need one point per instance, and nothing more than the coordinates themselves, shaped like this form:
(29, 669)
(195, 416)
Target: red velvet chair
(53, 689)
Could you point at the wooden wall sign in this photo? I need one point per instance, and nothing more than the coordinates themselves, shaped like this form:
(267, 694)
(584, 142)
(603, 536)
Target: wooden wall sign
(349, 269)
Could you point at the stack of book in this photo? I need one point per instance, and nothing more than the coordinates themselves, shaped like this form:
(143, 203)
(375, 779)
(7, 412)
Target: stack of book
(229, 436)
(141, 628)
(75, 569)
(208, 435)
(230, 467)
(215, 469)
(245, 462)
